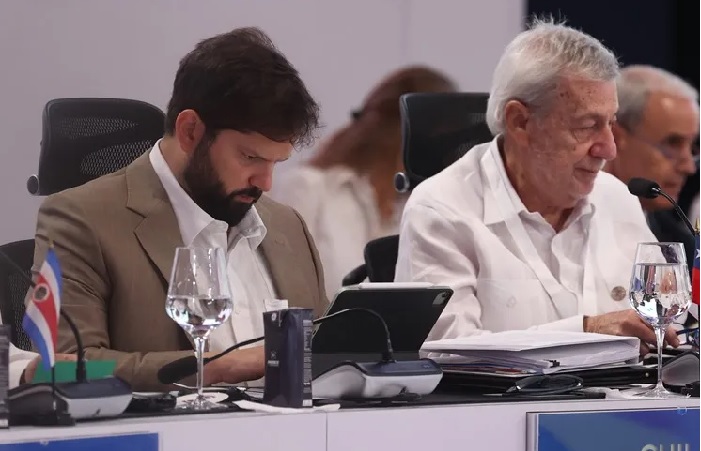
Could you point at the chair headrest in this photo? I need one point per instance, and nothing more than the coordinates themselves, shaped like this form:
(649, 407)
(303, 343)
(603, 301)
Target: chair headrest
(439, 128)
(85, 138)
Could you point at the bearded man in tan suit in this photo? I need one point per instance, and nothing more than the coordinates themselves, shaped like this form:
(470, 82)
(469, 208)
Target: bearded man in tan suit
(238, 107)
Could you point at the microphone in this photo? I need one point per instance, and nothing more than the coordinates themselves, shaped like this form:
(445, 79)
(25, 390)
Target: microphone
(106, 397)
(648, 189)
(187, 366)
(80, 370)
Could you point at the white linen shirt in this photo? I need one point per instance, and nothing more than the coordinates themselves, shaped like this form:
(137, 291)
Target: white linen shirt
(467, 228)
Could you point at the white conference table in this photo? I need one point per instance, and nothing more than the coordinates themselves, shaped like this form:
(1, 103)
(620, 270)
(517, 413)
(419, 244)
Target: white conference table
(493, 426)
(210, 432)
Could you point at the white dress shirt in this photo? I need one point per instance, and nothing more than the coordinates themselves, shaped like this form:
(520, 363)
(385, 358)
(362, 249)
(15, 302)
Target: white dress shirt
(467, 228)
(250, 283)
(338, 205)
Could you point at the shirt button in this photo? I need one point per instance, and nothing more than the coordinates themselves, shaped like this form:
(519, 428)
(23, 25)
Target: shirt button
(511, 302)
(618, 293)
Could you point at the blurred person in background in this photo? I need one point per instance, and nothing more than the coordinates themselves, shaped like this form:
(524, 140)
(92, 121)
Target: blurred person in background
(656, 131)
(346, 193)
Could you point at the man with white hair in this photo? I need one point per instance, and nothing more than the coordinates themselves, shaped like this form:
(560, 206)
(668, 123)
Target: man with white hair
(527, 230)
(655, 132)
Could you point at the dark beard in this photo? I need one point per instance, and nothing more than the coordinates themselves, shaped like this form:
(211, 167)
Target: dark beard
(208, 192)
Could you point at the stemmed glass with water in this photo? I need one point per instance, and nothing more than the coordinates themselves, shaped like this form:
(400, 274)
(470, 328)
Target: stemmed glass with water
(660, 292)
(199, 300)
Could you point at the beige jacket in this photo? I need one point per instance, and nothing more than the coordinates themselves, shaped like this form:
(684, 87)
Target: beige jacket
(115, 239)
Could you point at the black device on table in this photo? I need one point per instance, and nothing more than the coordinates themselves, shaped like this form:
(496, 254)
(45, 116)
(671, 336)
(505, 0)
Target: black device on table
(347, 361)
(371, 332)
(409, 313)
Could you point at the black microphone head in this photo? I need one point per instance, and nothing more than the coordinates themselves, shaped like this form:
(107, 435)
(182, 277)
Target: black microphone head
(177, 370)
(643, 188)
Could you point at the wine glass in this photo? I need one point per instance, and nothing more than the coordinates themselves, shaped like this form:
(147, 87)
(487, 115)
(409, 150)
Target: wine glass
(199, 300)
(660, 291)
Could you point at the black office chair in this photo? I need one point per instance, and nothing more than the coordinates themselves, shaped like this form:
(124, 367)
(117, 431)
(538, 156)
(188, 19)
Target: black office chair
(85, 138)
(14, 288)
(437, 129)
(380, 257)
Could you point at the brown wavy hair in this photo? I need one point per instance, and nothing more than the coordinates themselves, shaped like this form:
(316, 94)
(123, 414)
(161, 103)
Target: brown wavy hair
(239, 80)
(370, 144)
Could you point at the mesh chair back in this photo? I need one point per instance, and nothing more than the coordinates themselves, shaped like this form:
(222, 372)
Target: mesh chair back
(439, 128)
(84, 138)
(13, 289)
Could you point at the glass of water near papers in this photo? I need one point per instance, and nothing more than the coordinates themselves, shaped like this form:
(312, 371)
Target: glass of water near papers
(199, 300)
(660, 291)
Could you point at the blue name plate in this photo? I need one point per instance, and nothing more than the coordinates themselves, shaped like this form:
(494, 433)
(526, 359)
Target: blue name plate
(634, 430)
(131, 442)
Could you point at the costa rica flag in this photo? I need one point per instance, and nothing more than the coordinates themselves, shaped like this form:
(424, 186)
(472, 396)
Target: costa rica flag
(43, 307)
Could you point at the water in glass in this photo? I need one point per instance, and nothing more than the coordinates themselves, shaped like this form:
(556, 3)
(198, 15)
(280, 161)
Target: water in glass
(660, 292)
(199, 315)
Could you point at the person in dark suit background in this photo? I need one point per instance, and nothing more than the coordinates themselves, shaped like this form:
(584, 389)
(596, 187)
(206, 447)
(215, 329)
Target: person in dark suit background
(689, 195)
(656, 136)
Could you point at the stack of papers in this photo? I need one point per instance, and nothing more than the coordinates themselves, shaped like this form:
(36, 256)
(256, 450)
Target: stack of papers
(532, 352)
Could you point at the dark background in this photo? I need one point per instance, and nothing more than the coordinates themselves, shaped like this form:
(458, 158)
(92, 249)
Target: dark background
(662, 33)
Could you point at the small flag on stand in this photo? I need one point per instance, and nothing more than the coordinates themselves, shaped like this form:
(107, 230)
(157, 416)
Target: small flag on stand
(43, 307)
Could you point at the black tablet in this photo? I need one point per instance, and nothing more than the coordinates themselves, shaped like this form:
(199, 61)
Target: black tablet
(410, 311)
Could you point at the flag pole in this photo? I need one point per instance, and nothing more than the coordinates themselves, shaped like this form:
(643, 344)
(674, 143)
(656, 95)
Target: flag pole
(53, 367)
(695, 276)
(62, 417)
(53, 384)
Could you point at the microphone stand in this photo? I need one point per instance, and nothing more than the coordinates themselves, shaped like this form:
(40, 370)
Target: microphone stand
(678, 210)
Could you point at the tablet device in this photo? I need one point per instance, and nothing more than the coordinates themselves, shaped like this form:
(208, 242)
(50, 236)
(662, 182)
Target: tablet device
(410, 311)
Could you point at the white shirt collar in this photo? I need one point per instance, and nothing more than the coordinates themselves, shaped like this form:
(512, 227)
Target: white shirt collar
(500, 185)
(192, 220)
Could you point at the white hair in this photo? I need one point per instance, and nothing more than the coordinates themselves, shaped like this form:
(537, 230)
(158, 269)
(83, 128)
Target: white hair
(536, 59)
(636, 83)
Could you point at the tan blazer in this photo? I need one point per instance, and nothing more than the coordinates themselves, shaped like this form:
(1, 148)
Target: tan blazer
(115, 239)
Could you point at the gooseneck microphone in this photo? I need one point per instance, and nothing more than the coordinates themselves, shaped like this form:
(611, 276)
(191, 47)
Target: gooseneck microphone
(187, 366)
(80, 371)
(648, 189)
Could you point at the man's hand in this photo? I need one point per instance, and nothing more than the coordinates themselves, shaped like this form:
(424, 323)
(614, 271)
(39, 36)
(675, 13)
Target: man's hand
(627, 323)
(31, 369)
(237, 366)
